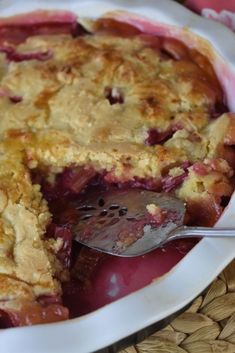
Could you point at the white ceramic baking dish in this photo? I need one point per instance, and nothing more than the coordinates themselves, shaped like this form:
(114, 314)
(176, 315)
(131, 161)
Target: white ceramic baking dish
(205, 261)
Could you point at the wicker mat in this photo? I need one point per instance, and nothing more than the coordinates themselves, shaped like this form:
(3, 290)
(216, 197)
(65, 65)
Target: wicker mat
(208, 326)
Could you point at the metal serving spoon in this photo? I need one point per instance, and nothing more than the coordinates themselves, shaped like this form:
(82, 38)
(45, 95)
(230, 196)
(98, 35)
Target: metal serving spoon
(134, 222)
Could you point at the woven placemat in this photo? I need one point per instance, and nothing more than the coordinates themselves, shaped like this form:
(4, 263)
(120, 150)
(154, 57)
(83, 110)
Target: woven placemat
(208, 326)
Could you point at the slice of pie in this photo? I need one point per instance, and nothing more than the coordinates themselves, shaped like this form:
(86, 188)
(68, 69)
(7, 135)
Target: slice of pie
(113, 107)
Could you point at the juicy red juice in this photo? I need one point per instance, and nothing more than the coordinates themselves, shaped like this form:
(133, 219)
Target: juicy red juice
(111, 278)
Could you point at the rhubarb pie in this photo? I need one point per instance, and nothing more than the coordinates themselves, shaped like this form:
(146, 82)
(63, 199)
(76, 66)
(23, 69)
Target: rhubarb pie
(106, 105)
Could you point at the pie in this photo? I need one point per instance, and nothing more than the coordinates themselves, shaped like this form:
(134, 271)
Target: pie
(108, 105)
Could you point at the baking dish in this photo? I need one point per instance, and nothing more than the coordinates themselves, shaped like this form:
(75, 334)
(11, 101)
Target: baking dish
(202, 264)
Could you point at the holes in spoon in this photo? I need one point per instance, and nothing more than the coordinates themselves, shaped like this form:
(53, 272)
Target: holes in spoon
(114, 207)
(103, 213)
(86, 208)
(86, 217)
(123, 211)
(101, 202)
(131, 219)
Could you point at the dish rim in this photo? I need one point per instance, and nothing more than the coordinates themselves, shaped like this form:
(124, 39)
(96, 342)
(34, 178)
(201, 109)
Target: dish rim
(139, 309)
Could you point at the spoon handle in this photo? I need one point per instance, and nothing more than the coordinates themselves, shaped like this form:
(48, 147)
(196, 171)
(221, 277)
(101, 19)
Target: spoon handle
(192, 232)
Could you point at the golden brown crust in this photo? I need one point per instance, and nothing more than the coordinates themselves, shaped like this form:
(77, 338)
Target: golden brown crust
(24, 216)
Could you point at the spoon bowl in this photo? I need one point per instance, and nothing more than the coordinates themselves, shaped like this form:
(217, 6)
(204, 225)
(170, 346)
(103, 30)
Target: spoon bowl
(133, 222)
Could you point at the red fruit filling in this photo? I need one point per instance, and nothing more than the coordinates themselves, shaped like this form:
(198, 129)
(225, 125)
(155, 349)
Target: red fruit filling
(17, 29)
(12, 55)
(15, 99)
(32, 313)
(155, 136)
(170, 183)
